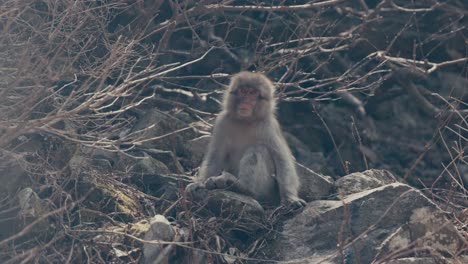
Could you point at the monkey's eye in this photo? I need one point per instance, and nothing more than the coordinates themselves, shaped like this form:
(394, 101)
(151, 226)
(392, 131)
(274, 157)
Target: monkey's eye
(248, 92)
(252, 92)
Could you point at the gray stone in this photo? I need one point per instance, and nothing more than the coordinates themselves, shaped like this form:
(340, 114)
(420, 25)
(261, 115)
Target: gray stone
(13, 174)
(31, 209)
(248, 213)
(148, 166)
(31, 205)
(313, 186)
(427, 228)
(352, 229)
(161, 127)
(313, 160)
(160, 230)
(414, 261)
(100, 159)
(197, 148)
(361, 181)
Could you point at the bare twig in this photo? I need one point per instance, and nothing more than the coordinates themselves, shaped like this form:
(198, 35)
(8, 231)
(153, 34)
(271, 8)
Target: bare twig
(275, 8)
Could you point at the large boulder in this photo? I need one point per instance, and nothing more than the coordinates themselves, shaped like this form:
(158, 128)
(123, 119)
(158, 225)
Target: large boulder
(364, 227)
(426, 230)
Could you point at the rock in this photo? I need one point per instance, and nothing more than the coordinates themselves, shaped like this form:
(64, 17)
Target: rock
(243, 211)
(100, 159)
(417, 261)
(196, 149)
(313, 160)
(163, 125)
(147, 166)
(414, 261)
(353, 230)
(427, 228)
(313, 185)
(147, 173)
(160, 230)
(248, 212)
(31, 209)
(13, 174)
(167, 157)
(361, 181)
(31, 205)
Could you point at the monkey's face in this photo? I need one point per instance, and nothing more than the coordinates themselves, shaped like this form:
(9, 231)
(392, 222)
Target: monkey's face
(246, 101)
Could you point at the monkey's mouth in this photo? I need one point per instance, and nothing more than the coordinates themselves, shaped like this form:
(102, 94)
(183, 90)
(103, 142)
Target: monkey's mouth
(245, 109)
(244, 112)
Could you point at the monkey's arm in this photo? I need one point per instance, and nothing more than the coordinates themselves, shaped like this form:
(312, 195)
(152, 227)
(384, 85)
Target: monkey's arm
(213, 162)
(286, 175)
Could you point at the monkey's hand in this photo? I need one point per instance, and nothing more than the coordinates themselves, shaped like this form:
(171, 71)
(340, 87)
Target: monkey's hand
(223, 181)
(294, 202)
(195, 188)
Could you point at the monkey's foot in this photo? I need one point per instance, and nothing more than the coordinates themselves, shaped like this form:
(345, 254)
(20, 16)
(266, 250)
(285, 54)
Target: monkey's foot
(223, 181)
(194, 187)
(295, 203)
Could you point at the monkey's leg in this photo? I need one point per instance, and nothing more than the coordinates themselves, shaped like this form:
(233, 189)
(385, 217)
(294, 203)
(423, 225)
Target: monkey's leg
(256, 175)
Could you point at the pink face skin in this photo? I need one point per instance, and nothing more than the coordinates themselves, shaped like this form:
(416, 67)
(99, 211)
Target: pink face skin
(247, 100)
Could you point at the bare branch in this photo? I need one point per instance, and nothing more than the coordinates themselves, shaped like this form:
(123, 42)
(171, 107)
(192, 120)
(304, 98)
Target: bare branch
(222, 7)
(412, 63)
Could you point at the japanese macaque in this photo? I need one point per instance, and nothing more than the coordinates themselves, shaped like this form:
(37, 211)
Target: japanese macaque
(247, 152)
